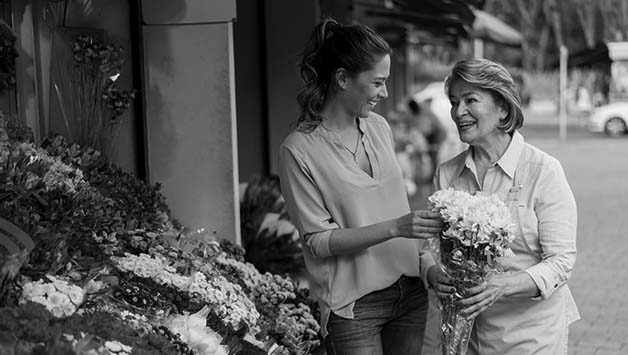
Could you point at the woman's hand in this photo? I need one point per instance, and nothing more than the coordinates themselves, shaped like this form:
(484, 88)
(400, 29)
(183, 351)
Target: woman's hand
(483, 296)
(420, 224)
(497, 286)
(440, 282)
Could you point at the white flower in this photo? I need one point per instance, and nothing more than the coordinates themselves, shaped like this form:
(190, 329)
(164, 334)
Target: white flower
(40, 299)
(198, 277)
(194, 332)
(181, 282)
(94, 286)
(58, 299)
(31, 290)
(48, 289)
(113, 346)
(126, 263)
(143, 269)
(163, 278)
(57, 312)
(196, 289)
(76, 295)
(61, 286)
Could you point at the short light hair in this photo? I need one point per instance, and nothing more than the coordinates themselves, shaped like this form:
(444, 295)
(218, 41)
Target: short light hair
(491, 76)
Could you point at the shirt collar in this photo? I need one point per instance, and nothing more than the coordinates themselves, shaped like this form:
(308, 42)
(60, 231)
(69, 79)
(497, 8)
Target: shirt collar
(508, 161)
(335, 137)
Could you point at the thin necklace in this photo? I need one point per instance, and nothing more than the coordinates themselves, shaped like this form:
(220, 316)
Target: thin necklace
(357, 146)
(353, 152)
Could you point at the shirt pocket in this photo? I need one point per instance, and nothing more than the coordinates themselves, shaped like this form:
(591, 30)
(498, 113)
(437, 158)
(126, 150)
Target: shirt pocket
(529, 226)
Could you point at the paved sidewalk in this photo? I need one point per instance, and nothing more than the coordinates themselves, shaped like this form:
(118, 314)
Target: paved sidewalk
(597, 169)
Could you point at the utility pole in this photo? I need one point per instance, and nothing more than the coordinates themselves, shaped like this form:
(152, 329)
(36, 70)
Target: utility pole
(553, 10)
(562, 115)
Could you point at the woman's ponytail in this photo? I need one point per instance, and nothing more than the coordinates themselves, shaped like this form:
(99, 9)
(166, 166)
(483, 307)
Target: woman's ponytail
(313, 65)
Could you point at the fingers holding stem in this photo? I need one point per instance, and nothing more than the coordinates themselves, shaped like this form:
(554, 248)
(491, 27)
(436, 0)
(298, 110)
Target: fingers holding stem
(426, 224)
(481, 297)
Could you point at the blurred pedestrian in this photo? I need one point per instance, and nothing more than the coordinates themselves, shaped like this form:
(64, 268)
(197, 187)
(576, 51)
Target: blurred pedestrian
(431, 128)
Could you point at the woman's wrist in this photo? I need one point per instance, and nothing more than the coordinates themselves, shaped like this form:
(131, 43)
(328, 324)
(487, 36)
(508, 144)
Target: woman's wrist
(517, 285)
(509, 285)
(393, 231)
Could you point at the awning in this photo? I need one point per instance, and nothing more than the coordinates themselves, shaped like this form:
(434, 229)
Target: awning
(445, 20)
(489, 28)
(596, 57)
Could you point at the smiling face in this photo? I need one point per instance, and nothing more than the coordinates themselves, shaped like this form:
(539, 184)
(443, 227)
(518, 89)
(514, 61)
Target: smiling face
(475, 112)
(363, 91)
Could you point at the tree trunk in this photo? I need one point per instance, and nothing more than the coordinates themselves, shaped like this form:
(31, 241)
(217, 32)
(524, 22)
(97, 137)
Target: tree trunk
(530, 13)
(553, 12)
(543, 46)
(586, 16)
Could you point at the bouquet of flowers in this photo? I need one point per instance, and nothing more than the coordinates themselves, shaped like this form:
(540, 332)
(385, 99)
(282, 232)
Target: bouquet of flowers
(478, 231)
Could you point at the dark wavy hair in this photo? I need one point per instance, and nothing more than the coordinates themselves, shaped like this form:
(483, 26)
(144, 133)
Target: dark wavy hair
(491, 76)
(332, 45)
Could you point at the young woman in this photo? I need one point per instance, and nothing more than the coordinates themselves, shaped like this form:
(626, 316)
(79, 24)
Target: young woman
(345, 193)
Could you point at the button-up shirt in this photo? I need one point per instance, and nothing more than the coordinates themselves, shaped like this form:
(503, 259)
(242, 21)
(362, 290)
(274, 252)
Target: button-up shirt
(545, 248)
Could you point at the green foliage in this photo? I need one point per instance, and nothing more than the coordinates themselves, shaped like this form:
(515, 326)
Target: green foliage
(271, 241)
(8, 53)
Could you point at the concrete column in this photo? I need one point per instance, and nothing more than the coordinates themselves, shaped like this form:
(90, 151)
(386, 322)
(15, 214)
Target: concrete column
(190, 110)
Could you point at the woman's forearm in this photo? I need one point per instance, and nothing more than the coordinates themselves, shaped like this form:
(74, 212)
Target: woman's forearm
(419, 224)
(520, 284)
(352, 240)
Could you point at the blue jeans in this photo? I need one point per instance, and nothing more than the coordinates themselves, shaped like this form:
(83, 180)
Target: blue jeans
(386, 322)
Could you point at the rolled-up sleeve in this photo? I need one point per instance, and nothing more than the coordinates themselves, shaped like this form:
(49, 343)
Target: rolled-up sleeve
(305, 203)
(555, 209)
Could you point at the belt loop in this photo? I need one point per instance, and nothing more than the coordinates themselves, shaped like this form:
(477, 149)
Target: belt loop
(401, 282)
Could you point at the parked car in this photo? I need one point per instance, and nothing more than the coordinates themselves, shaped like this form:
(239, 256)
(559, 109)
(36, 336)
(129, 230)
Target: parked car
(611, 119)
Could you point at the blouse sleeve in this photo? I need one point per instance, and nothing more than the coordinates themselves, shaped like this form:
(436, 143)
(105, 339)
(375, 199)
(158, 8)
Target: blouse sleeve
(305, 203)
(555, 208)
(427, 258)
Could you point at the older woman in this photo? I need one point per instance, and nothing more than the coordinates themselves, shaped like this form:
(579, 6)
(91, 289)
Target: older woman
(528, 308)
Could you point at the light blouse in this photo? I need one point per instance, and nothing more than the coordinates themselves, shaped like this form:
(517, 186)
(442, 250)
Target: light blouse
(325, 189)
